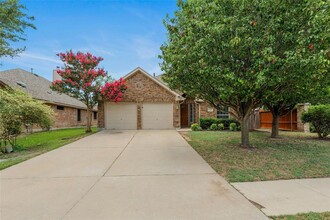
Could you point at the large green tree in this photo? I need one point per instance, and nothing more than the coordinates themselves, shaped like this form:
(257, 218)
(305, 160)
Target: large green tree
(299, 50)
(225, 51)
(13, 22)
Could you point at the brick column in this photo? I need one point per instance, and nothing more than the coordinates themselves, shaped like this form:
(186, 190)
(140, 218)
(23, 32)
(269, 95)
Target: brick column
(100, 115)
(300, 125)
(139, 106)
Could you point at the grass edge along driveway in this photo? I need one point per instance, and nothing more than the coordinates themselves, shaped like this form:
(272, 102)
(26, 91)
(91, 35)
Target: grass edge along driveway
(303, 216)
(31, 145)
(295, 155)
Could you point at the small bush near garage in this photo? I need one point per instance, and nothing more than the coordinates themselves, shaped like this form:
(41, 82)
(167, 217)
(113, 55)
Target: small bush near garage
(319, 117)
(233, 127)
(195, 127)
(205, 123)
(221, 126)
(214, 127)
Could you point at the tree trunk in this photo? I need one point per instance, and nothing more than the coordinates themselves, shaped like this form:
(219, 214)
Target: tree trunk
(245, 141)
(88, 120)
(275, 124)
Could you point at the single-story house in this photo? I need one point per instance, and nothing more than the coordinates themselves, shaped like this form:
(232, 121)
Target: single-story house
(151, 104)
(69, 112)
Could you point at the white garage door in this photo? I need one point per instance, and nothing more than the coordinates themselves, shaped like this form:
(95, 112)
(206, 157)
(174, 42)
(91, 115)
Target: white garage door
(120, 116)
(157, 116)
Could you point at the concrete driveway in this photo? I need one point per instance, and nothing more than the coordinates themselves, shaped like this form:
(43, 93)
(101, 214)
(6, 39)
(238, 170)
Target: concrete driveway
(121, 175)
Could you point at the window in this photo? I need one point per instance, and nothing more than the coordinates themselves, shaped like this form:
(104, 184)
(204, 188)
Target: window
(78, 114)
(95, 115)
(60, 107)
(223, 112)
(192, 113)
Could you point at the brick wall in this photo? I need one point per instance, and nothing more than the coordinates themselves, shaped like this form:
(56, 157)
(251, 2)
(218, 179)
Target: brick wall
(300, 125)
(208, 110)
(142, 89)
(68, 117)
(100, 116)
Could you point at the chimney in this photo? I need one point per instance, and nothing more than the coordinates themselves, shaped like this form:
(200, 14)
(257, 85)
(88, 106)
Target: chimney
(154, 75)
(56, 76)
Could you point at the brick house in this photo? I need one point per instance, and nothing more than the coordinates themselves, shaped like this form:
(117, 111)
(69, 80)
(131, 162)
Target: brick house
(69, 112)
(150, 104)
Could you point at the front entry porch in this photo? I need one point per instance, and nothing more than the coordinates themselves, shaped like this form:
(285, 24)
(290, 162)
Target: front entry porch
(188, 114)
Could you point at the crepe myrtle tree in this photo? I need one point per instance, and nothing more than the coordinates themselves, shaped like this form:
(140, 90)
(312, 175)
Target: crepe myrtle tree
(231, 53)
(81, 78)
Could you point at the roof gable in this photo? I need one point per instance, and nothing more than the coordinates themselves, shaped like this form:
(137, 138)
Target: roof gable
(155, 80)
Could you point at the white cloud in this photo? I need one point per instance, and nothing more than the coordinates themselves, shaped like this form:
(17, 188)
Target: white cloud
(145, 48)
(29, 56)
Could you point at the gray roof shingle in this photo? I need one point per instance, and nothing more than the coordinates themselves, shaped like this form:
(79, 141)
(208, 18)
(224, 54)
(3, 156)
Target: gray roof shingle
(38, 87)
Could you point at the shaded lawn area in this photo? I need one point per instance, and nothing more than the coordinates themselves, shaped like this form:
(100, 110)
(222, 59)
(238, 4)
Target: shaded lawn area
(31, 145)
(307, 216)
(294, 155)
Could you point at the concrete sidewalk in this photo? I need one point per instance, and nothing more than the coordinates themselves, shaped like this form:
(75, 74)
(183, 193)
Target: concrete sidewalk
(285, 197)
(121, 175)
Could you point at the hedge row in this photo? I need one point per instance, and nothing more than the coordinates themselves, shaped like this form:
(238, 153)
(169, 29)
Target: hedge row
(205, 123)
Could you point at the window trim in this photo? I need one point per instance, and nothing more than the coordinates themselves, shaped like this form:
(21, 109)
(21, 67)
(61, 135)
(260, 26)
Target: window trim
(191, 113)
(223, 113)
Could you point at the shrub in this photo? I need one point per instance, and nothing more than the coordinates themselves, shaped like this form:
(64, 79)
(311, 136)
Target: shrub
(214, 127)
(205, 123)
(319, 117)
(17, 109)
(312, 129)
(195, 127)
(227, 122)
(233, 127)
(221, 126)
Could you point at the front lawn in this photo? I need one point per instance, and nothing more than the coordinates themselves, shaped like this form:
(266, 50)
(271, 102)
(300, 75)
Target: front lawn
(307, 216)
(294, 155)
(31, 145)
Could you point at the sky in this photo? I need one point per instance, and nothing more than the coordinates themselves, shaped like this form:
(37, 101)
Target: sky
(126, 33)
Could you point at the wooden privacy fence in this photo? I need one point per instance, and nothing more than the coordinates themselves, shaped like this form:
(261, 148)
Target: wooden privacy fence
(286, 122)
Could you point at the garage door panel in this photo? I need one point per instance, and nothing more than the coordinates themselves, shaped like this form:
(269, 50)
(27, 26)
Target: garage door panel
(121, 116)
(157, 116)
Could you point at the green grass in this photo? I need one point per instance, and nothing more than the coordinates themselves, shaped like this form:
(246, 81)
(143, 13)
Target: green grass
(31, 145)
(294, 155)
(307, 216)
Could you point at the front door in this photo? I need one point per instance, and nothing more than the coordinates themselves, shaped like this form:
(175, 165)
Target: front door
(184, 115)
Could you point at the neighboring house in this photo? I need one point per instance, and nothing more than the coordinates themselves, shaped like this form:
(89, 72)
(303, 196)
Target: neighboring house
(150, 104)
(69, 112)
